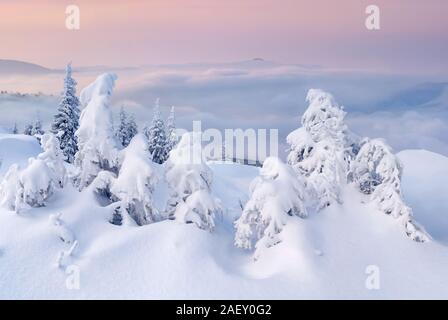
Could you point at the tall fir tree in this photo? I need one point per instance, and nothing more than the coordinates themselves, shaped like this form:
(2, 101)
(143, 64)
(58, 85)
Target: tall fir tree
(156, 136)
(66, 121)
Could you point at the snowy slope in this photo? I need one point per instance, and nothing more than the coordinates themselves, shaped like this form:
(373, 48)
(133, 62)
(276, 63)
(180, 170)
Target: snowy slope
(324, 256)
(425, 179)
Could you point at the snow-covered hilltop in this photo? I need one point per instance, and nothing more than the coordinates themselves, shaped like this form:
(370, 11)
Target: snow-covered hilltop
(146, 216)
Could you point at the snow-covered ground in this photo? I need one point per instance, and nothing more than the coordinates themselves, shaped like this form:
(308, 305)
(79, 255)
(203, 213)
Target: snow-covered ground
(331, 254)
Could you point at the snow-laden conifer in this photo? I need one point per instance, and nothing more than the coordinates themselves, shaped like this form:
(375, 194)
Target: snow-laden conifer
(190, 182)
(66, 120)
(156, 135)
(276, 196)
(377, 172)
(97, 147)
(318, 150)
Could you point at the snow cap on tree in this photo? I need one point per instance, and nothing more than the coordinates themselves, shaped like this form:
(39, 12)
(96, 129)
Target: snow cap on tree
(96, 139)
(276, 196)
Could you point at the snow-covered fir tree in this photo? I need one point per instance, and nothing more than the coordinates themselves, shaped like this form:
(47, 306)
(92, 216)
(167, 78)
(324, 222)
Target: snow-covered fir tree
(318, 150)
(377, 172)
(136, 182)
(276, 196)
(97, 146)
(156, 135)
(190, 181)
(132, 128)
(127, 128)
(33, 185)
(66, 121)
(28, 130)
(15, 130)
(171, 135)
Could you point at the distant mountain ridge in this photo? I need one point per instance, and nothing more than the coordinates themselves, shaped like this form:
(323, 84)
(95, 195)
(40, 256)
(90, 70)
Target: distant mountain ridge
(21, 67)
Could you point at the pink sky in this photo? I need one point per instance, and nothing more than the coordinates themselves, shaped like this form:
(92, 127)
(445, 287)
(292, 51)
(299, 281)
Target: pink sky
(413, 35)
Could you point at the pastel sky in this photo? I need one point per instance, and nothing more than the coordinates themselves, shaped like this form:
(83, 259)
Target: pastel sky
(413, 35)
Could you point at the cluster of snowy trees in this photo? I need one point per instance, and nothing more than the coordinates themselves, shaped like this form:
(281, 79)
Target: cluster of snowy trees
(123, 168)
(127, 128)
(127, 176)
(34, 129)
(324, 157)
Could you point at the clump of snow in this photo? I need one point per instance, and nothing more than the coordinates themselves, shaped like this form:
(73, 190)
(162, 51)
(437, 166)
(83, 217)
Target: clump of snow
(190, 182)
(276, 196)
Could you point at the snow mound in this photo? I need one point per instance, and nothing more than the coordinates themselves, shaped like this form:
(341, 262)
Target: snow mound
(17, 149)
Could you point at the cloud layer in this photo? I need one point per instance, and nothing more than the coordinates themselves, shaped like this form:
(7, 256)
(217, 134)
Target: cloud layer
(410, 112)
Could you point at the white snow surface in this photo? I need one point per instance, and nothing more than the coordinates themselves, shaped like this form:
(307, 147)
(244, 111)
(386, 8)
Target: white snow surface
(323, 256)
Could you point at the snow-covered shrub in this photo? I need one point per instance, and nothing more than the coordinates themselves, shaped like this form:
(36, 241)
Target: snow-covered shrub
(319, 149)
(37, 183)
(156, 135)
(66, 121)
(33, 185)
(377, 172)
(97, 148)
(136, 182)
(190, 180)
(276, 195)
